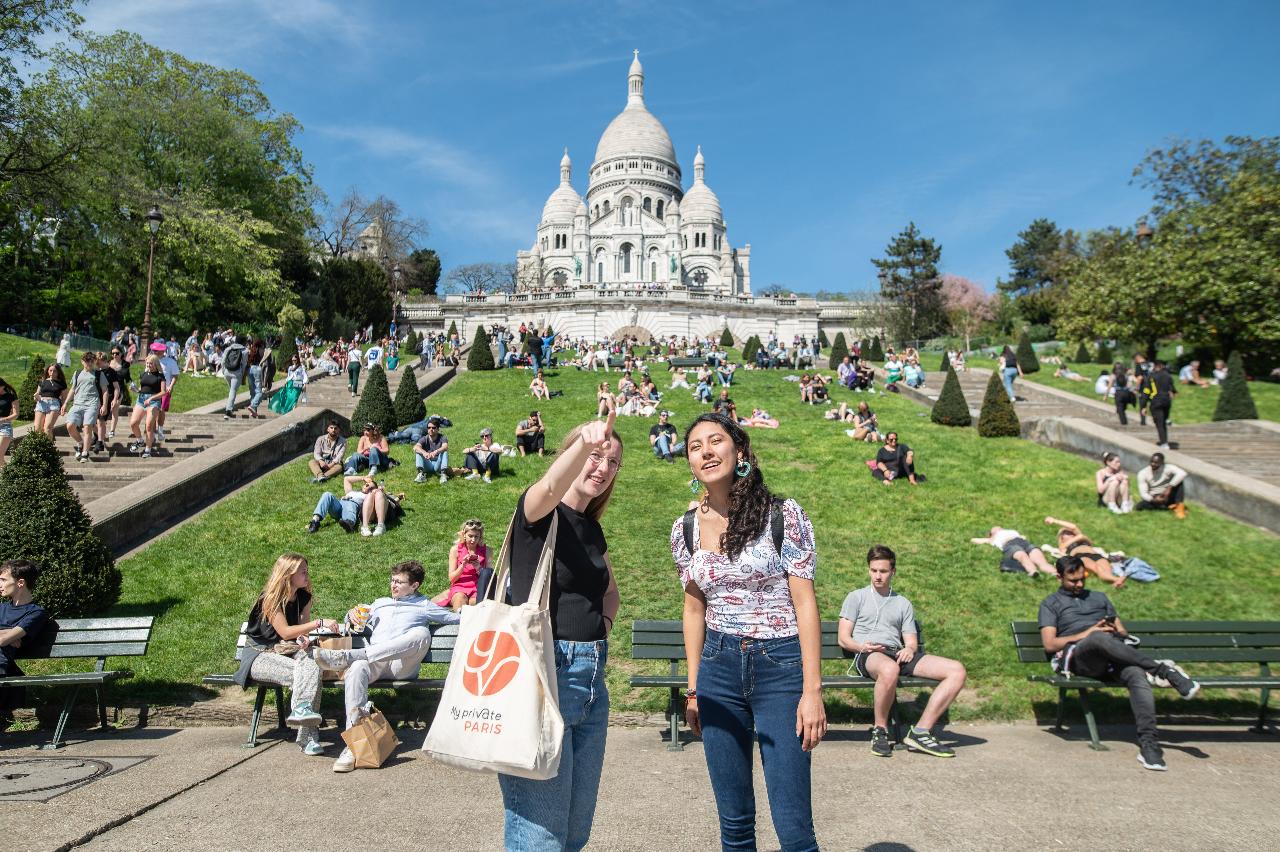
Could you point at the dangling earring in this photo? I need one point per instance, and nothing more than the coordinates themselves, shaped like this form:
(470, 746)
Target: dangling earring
(743, 468)
(694, 485)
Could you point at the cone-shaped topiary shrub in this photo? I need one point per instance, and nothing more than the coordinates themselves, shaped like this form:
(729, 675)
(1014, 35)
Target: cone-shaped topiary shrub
(839, 349)
(944, 364)
(412, 343)
(408, 406)
(822, 339)
(1235, 402)
(1105, 355)
(453, 330)
(750, 348)
(1027, 359)
(42, 520)
(877, 351)
(30, 384)
(375, 403)
(998, 419)
(864, 348)
(481, 356)
(951, 408)
(726, 337)
(1082, 355)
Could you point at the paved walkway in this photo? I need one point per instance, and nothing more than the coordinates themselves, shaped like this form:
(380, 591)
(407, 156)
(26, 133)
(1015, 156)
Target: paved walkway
(1010, 786)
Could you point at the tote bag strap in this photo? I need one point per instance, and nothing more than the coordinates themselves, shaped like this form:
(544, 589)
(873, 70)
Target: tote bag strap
(546, 561)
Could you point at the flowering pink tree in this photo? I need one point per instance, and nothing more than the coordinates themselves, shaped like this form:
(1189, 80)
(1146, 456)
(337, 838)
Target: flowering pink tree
(967, 305)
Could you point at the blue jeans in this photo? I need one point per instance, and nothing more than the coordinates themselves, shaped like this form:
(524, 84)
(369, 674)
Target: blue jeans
(255, 386)
(502, 353)
(435, 465)
(664, 447)
(355, 461)
(410, 434)
(331, 506)
(702, 392)
(746, 686)
(1009, 374)
(557, 814)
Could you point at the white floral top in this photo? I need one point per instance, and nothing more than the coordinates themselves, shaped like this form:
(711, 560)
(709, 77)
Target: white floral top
(749, 596)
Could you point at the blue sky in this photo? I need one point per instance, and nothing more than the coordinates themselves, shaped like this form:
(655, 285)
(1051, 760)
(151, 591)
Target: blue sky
(826, 126)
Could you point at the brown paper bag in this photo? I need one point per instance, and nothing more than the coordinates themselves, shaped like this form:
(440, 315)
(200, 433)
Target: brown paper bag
(371, 740)
(333, 643)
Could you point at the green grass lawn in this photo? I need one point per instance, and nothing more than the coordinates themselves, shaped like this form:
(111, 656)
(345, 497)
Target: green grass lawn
(1191, 405)
(201, 579)
(15, 357)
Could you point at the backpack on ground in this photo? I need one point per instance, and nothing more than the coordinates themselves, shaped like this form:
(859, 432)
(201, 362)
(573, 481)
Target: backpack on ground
(233, 360)
(775, 527)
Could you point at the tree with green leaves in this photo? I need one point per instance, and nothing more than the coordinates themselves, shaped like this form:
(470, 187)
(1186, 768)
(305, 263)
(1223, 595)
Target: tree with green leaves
(290, 320)
(1235, 402)
(1082, 354)
(481, 356)
(409, 407)
(424, 271)
(30, 384)
(909, 280)
(1026, 353)
(726, 337)
(950, 409)
(997, 418)
(42, 520)
(375, 404)
(839, 350)
(1037, 264)
(877, 351)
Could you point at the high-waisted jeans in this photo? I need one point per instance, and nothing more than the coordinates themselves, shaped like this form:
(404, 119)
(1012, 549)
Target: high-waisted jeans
(748, 686)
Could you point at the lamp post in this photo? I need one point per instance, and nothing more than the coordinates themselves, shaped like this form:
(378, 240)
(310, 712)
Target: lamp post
(154, 218)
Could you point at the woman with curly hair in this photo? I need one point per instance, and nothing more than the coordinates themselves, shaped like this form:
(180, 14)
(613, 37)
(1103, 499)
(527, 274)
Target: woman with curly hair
(752, 635)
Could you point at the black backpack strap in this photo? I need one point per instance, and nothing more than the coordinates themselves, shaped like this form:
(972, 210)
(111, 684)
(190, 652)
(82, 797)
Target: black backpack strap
(688, 531)
(775, 525)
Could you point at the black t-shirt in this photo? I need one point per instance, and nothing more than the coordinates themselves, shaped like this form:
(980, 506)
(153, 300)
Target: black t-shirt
(151, 382)
(1163, 384)
(660, 429)
(1071, 614)
(581, 573)
(51, 388)
(725, 403)
(7, 399)
(890, 458)
(260, 629)
(31, 617)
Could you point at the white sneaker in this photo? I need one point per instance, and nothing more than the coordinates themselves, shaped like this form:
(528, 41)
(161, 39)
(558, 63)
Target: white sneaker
(444, 480)
(487, 478)
(421, 477)
(1114, 508)
(345, 762)
(365, 531)
(1127, 507)
(472, 476)
(159, 434)
(379, 529)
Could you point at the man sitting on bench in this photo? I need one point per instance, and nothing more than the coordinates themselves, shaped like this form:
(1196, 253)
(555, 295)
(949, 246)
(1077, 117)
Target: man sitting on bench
(398, 639)
(879, 625)
(19, 617)
(1081, 630)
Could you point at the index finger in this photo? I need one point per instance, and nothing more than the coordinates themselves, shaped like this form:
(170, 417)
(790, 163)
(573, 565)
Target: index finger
(611, 418)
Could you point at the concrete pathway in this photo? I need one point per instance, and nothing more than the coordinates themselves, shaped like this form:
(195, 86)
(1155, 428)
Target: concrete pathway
(1010, 786)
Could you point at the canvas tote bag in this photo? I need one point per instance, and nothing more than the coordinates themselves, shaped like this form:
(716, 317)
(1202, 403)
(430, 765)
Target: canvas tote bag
(499, 710)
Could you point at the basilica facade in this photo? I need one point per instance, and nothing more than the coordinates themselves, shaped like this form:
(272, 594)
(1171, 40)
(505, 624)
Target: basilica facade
(637, 228)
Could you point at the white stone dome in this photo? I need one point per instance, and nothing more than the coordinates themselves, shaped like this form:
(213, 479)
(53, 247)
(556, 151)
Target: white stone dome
(700, 204)
(562, 205)
(635, 130)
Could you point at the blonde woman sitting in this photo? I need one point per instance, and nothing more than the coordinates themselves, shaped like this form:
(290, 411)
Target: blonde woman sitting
(467, 557)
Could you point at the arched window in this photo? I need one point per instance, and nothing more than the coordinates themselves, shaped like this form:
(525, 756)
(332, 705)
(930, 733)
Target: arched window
(659, 208)
(600, 271)
(606, 207)
(595, 212)
(648, 205)
(684, 241)
(626, 258)
(653, 270)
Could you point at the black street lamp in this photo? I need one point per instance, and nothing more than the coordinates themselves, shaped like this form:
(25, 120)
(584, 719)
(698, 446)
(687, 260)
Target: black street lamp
(154, 218)
(396, 298)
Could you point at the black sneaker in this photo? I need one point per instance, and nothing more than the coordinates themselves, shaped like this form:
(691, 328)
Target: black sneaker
(1178, 679)
(880, 745)
(1151, 756)
(314, 525)
(349, 526)
(918, 739)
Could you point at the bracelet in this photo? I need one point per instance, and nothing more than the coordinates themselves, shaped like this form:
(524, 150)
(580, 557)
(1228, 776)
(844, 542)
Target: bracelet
(608, 619)
(691, 693)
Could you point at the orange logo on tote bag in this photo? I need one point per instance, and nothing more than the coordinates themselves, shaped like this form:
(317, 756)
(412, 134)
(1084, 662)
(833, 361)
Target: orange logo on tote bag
(492, 661)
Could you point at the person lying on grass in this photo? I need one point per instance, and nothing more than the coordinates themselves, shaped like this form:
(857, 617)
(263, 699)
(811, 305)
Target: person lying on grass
(364, 500)
(1019, 554)
(1072, 542)
(759, 418)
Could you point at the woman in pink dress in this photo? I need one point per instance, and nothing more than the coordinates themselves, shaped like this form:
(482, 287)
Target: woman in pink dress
(467, 556)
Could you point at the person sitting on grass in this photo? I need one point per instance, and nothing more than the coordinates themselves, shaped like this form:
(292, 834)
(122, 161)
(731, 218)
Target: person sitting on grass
(431, 454)
(818, 390)
(20, 617)
(865, 425)
(326, 456)
(538, 387)
(467, 557)
(278, 647)
(604, 398)
(879, 626)
(679, 379)
(531, 435)
(724, 372)
(397, 634)
(724, 405)
(1190, 375)
(662, 437)
(1161, 486)
(1073, 542)
(372, 450)
(1112, 484)
(845, 371)
(702, 391)
(806, 389)
(896, 461)
(1018, 553)
(1083, 635)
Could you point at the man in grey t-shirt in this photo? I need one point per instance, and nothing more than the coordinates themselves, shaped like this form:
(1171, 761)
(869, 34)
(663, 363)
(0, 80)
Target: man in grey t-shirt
(878, 625)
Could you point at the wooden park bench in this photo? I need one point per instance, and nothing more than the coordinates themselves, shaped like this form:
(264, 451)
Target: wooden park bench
(686, 362)
(1191, 642)
(442, 639)
(83, 638)
(664, 640)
